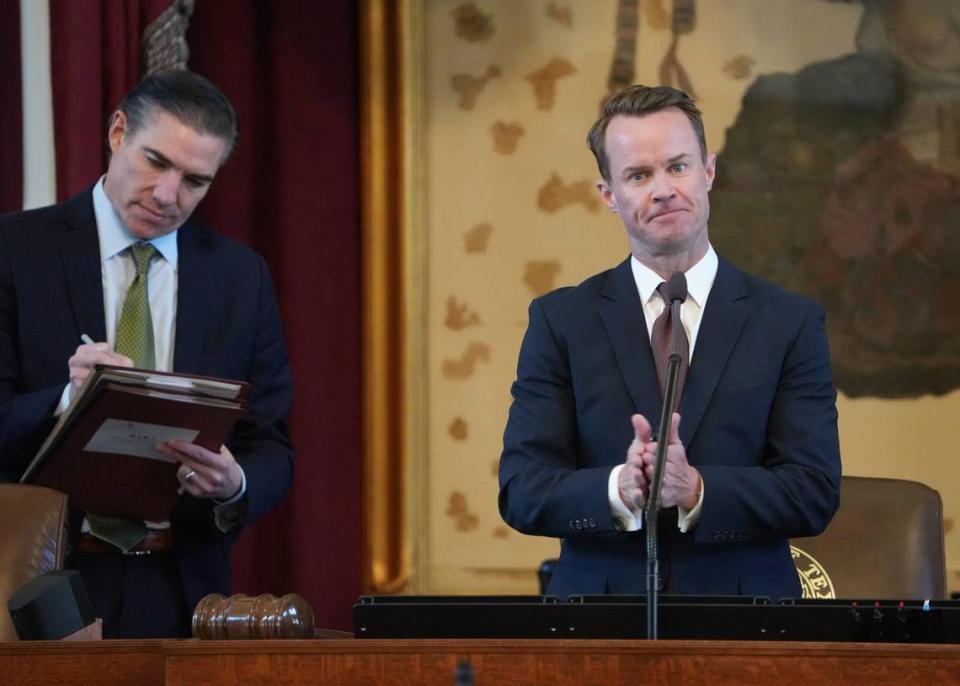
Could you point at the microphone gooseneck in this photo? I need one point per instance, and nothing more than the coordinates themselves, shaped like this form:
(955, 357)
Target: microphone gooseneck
(674, 293)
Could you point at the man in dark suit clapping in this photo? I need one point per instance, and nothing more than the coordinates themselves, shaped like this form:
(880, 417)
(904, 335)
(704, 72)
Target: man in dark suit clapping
(753, 457)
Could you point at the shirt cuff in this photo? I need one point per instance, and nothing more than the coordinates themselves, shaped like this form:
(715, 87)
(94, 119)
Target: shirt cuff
(624, 519)
(229, 514)
(64, 401)
(687, 519)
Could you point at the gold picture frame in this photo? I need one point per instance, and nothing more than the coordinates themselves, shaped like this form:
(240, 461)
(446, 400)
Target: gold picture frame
(391, 289)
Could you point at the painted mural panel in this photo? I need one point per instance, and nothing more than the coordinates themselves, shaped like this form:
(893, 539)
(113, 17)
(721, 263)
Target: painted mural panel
(837, 125)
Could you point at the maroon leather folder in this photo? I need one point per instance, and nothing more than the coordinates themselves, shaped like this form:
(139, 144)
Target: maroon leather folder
(101, 452)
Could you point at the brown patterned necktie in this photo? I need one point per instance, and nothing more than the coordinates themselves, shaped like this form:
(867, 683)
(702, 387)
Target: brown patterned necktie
(666, 329)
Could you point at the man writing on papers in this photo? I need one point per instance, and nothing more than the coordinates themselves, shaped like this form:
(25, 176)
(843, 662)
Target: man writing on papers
(123, 268)
(753, 457)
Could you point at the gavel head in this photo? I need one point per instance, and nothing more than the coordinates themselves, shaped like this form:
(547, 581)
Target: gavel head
(252, 617)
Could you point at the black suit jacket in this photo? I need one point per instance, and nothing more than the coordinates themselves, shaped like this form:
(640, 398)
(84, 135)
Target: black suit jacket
(758, 420)
(227, 325)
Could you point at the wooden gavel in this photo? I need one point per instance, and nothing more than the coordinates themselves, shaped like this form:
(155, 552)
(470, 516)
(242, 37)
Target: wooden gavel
(252, 617)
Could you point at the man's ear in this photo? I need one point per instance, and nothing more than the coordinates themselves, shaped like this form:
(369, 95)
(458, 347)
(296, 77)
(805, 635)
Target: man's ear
(117, 130)
(710, 167)
(607, 196)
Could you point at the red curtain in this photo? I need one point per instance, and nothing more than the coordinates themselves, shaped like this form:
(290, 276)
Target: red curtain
(11, 133)
(94, 60)
(291, 191)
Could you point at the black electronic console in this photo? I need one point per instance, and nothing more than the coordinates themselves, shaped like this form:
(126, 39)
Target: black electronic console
(454, 616)
(884, 621)
(680, 617)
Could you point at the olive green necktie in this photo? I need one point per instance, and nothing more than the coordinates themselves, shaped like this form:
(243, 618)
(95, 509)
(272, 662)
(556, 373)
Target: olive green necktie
(135, 340)
(135, 326)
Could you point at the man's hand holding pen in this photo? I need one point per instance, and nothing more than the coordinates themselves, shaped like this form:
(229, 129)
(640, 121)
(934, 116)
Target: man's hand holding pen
(88, 354)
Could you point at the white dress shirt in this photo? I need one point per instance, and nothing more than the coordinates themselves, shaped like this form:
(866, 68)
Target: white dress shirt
(118, 271)
(699, 282)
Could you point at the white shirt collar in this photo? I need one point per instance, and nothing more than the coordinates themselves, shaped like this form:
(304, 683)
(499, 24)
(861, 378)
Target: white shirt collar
(115, 237)
(699, 278)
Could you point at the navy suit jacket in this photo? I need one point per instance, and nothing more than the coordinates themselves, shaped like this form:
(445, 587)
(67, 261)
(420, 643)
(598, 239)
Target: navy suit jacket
(227, 325)
(759, 422)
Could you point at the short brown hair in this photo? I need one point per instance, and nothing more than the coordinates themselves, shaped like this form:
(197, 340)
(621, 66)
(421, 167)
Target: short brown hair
(636, 101)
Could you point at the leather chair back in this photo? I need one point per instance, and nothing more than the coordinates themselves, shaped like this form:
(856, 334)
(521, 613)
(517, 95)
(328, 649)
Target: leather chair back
(885, 543)
(33, 539)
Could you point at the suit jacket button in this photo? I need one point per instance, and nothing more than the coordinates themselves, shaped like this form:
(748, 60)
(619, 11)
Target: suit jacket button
(618, 524)
(570, 523)
(592, 523)
(577, 524)
(716, 536)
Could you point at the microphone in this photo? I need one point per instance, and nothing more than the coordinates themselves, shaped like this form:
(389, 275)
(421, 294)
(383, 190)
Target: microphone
(677, 287)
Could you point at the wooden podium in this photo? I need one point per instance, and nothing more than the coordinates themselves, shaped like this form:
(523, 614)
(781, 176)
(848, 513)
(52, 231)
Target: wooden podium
(558, 662)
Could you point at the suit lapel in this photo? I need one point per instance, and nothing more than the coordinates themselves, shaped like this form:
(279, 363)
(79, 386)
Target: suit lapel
(80, 256)
(195, 284)
(723, 319)
(622, 314)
